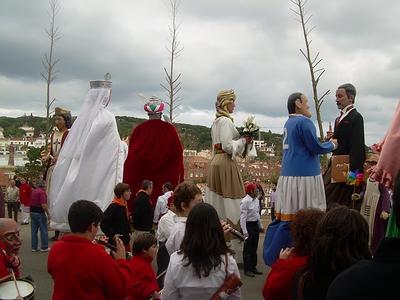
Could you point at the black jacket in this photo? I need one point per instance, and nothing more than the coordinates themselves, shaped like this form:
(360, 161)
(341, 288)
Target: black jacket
(142, 213)
(376, 278)
(312, 289)
(350, 135)
(116, 222)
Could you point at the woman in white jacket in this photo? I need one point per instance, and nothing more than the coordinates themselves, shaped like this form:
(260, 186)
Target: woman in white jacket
(199, 269)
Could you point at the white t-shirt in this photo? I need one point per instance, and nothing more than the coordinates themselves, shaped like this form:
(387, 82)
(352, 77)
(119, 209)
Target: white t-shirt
(182, 283)
(161, 206)
(165, 226)
(176, 237)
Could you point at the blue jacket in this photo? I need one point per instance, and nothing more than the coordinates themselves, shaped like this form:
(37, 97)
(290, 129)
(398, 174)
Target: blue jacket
(301, 148)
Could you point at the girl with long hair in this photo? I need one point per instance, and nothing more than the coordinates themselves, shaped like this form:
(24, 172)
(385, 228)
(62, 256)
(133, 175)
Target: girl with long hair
(341, 240)
(204, 260)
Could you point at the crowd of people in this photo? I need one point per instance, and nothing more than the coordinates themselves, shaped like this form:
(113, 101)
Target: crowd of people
(333, 234)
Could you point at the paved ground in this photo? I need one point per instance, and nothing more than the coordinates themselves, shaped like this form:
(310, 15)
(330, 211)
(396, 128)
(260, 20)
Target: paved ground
(35, 264)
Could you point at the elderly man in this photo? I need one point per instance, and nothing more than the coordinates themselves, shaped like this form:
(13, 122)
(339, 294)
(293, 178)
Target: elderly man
(142, 209)
(12, 200)
(349, 132)
(10, 244)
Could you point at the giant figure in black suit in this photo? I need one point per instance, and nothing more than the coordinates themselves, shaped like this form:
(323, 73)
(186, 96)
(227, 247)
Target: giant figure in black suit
(349, 132)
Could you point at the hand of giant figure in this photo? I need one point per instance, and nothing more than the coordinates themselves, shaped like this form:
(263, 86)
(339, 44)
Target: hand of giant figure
(91, 161)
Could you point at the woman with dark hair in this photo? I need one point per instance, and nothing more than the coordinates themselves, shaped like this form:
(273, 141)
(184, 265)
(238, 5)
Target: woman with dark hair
(375, 278)
(280, 280)
(341, 240)
(200, 268)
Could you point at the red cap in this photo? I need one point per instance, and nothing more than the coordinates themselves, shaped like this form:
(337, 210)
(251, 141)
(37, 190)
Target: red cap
(250, 187)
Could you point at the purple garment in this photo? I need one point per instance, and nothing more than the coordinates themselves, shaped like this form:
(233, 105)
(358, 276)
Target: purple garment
(274, 195)
(380, 224)
(38, 197)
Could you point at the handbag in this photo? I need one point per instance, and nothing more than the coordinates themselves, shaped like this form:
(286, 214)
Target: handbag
(231, 283)
(340, 168)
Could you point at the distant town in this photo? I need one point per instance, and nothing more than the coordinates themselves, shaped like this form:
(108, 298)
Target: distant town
(13, 155)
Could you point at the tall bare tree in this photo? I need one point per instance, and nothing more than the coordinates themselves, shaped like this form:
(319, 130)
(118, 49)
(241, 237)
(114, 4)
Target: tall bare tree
(173, 84)
(313, 61)
(49, 62)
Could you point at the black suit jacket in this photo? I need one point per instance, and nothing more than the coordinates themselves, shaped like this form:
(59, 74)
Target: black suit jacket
(142, 212)
(350, 135)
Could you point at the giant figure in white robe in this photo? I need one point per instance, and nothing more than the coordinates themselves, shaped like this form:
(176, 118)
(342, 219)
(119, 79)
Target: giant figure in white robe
(91, 160)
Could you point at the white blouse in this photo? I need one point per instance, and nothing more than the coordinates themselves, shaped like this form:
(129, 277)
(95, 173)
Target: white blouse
(182, 283)
(224, 132)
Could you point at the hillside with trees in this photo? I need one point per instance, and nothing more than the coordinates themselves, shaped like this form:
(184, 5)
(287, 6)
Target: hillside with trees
(194, 137)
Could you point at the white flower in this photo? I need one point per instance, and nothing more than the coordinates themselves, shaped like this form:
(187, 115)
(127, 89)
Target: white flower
(250, 125)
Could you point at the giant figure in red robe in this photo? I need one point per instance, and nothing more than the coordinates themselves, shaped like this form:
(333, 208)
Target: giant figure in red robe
(155, 153)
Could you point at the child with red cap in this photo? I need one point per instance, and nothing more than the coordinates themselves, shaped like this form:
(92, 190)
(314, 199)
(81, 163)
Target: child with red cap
(251, 227)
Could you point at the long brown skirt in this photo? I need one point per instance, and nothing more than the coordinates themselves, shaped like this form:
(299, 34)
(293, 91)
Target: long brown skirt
(224, 177)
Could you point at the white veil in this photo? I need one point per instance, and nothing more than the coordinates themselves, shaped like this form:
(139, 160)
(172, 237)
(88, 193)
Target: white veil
(90, 162)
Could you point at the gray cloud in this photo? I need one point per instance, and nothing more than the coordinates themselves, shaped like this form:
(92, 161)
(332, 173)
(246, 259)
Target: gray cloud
(251, 46)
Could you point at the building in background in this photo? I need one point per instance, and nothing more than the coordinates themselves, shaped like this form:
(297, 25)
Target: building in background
(19, 145)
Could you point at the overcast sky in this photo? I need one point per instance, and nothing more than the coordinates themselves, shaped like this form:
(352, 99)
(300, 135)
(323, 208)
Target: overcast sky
(251, 46)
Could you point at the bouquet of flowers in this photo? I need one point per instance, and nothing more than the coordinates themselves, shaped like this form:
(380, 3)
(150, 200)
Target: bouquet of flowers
(250, 127)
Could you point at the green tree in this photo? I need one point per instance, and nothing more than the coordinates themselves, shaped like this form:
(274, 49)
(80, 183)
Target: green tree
(34, 168)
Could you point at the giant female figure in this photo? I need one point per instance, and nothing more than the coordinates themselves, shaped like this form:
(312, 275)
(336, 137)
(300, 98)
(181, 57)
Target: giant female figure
(225, 187)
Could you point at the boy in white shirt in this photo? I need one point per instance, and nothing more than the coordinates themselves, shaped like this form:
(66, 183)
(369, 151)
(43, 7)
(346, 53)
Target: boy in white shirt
(186, 196)
(251, 227)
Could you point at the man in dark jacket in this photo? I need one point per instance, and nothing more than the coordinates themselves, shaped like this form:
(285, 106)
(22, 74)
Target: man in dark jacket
(376, 278)
(142, 209)
(349, 132)
(116, 221)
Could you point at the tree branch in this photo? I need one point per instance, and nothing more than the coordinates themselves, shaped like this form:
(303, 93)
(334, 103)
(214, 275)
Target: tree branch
(320, 100)
(302, 52)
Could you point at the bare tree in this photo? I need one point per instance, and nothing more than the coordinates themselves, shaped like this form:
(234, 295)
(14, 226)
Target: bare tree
(49, 62)
(173, 84)
(313, 61)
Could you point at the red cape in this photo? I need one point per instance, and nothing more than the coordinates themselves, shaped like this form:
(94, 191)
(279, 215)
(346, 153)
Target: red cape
(155, 153)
